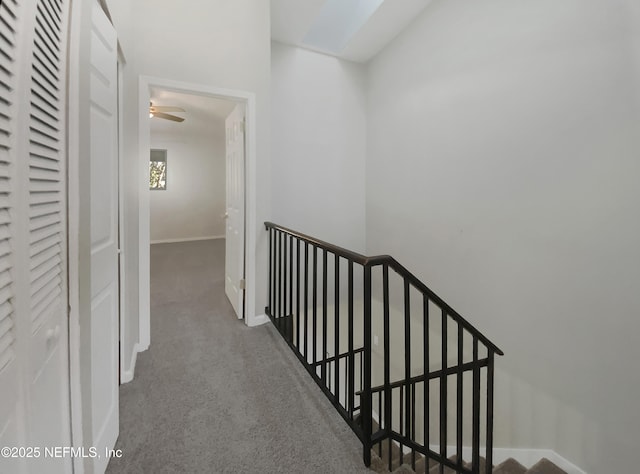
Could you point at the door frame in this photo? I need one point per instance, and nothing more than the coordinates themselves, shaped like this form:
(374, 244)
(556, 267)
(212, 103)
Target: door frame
(146, 83)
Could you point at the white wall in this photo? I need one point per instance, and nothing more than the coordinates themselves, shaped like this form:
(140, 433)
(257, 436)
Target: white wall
(193, 205)
(318, 145)
(502, 169)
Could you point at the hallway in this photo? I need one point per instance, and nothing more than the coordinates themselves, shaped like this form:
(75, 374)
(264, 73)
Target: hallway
(214, 396)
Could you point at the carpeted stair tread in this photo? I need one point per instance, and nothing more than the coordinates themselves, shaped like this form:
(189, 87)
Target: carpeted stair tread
(544, 466)
(510, 466)
(377, 464)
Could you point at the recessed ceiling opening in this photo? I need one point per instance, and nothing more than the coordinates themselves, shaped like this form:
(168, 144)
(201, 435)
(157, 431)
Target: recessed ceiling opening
(337, 22)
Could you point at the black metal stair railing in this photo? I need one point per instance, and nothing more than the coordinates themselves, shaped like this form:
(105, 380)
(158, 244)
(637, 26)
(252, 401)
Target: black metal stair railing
(435, 396)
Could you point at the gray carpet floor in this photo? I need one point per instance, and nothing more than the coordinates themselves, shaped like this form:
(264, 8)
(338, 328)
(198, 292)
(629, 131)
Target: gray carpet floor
(214, 396)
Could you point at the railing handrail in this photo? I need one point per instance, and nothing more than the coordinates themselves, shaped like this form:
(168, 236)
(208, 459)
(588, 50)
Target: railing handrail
(395, 266)
(343, 252)
(434, 374)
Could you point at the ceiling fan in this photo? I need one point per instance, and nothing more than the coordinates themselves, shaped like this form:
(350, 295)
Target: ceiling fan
(160, 112)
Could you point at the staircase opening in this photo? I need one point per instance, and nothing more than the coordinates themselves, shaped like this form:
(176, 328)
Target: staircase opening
(407, 372)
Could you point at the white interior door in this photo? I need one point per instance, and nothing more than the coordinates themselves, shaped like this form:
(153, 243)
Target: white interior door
(34, 377)
(234, 234)
(104, 234)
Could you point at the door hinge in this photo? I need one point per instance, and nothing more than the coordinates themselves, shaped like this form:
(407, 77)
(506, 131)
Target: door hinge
(243, 284)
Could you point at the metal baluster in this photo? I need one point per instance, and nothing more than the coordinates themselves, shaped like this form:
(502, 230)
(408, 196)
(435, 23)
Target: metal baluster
(365, 397)
(270, 283)
(386, 345)
(459, 424)
(403, 409)
(490, 381)
(314, 310)
(407, 353)
(336, 325)
(306, 301)
(389, 429)
(279, 305)
(298, 295)
(425, 355)
(413, 424)
(351, 354)
(324, 317)
(443, 393)
(290, 313)
(476, 409)
(283, 322)
(386, 357)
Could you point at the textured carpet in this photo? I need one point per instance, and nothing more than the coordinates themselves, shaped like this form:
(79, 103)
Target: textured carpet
(213, 396)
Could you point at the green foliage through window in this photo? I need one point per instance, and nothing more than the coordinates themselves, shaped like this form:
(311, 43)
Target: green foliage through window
(158, 170)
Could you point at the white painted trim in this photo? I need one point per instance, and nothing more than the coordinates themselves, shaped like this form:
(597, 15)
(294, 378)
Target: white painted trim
(526, 457)
(258, 320)
(144, 230)
(187, 239)
(127, 375)
(249, 99)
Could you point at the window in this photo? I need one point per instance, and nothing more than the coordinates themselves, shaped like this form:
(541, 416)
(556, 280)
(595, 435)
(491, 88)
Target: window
(158, 170)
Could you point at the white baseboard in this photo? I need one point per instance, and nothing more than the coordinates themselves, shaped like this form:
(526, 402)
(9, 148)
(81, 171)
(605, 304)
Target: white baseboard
(127, 375)
(258, 320)
(187, 239)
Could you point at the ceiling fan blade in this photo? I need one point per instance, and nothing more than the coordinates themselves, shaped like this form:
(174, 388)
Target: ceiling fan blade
(165, 108)
(167, 116)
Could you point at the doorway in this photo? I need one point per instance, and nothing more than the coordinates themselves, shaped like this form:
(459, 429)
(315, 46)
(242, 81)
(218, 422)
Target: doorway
(196, 184)
(199, 94)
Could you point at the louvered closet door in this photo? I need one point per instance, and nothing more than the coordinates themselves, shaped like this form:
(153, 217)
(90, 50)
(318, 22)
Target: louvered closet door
(11, 399)
(48, 352)
(34, 379)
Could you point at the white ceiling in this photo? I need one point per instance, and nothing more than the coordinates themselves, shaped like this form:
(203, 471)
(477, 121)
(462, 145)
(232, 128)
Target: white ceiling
(202, 114)
(292, 19)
